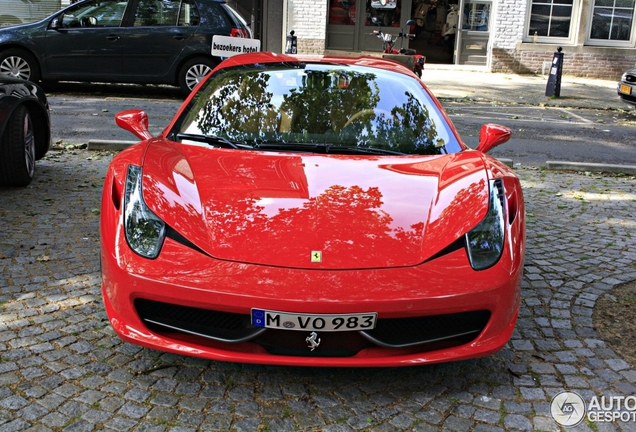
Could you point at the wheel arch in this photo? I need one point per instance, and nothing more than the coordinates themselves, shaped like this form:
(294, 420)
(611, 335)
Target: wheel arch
(18, 46)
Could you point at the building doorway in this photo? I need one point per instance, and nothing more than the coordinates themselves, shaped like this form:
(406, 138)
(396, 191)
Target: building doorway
(472, 46)
(435, 29)
(350, 26)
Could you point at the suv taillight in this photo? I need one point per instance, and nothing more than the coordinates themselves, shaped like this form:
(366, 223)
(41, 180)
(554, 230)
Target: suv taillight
(238, 32)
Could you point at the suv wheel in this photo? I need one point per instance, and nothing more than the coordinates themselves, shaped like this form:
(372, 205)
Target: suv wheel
(193, 71)
(17, 153)
(19, 64)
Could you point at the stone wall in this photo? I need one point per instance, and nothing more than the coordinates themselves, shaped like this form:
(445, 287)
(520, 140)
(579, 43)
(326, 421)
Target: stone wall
(605, 63)
(311, 46)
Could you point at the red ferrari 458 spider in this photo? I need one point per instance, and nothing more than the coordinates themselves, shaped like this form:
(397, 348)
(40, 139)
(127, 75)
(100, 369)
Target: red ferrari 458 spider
(315, 211)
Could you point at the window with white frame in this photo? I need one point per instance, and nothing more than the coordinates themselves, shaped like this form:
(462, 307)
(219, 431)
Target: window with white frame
(550, 19)
(612, 23)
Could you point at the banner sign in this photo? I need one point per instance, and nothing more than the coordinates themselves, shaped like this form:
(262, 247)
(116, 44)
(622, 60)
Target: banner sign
(226, 46)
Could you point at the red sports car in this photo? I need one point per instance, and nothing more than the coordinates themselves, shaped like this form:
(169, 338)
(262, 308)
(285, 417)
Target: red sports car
(315, 211)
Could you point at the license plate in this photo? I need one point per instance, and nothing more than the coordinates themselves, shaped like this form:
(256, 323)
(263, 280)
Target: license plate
(625, 89)
(313, 322)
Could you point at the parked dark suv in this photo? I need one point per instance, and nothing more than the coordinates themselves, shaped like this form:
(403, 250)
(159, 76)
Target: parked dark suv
(131, 41)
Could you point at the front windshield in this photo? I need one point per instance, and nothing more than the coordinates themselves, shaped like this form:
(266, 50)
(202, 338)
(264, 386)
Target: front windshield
(291, 104)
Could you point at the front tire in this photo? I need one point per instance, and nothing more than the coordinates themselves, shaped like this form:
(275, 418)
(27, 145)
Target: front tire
(19, 64)
(193, 71)
(17, 152)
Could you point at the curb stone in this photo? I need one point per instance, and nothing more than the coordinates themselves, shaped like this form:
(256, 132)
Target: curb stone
(593, 167)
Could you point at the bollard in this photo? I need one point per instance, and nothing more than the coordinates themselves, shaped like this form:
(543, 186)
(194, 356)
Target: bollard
(291, 44)
(554, 79)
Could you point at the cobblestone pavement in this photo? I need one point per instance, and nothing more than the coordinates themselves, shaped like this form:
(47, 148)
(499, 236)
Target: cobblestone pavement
(62, 368)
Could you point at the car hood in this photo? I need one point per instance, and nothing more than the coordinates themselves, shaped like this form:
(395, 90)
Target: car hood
(315, 211)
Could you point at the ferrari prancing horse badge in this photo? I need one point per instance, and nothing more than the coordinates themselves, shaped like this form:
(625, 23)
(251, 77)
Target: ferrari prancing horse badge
(313, 340)
(316, 256)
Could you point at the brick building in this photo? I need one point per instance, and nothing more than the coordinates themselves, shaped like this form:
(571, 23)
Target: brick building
(598, 37)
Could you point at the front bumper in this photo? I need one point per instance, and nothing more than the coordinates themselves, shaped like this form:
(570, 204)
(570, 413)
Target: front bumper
(627, 92)
(183, 278)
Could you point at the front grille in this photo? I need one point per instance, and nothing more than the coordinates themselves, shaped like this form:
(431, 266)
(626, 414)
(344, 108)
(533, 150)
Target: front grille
(293, 343)
(630, 78)
(222, 326)
(402, 332)
(628, 98)
(416, 334)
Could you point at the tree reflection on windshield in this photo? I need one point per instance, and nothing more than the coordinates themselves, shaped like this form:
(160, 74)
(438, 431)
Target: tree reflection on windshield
(318, 104)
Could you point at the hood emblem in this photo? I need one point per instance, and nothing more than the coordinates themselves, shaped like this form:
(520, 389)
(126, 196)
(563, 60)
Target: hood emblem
(313, 340)
(316, 256)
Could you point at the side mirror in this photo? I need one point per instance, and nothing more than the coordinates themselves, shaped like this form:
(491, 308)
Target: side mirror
(410, 23)
(492, 135)
(134, 121)
(56, 23)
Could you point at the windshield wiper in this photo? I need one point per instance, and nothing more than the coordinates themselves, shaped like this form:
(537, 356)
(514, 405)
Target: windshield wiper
(325, 148)
(209, 139)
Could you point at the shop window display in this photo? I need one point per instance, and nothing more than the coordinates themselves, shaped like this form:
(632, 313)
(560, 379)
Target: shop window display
(342, 12)
(436, 27)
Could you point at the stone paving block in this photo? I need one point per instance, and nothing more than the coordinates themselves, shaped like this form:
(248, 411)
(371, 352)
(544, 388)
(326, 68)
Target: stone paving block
(517, 422)
(453, 423)
(329, 428)
(122, 424)
(487, 416)
(339, 413)
(216, 422)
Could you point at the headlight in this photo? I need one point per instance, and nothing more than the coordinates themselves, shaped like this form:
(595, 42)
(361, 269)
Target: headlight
(144, 230)
(485, 242)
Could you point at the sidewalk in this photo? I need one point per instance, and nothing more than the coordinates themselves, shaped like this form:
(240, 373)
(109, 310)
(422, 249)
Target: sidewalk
(510, 89)
(483, 86)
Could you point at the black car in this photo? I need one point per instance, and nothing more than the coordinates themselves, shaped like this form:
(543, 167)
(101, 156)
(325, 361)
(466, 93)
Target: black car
(627, 87)
(127, 41)
(25, 130)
